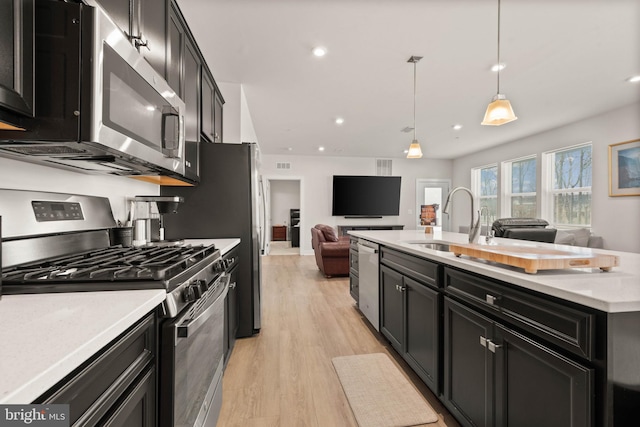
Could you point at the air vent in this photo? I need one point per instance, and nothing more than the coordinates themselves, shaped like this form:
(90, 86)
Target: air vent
(383, 167)
(283, 165)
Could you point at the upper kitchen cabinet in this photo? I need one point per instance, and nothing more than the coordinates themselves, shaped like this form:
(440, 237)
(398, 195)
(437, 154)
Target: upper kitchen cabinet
(145, 24)
(211, 108)
(16, 67)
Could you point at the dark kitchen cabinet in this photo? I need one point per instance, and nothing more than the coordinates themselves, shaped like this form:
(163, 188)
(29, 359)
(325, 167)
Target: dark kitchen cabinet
(211, 109)
(17, 68)
(410, 319)
(191, 97)
(144, 22)
(467, 366)
(232, 314)
(354, 270)
(117, 387)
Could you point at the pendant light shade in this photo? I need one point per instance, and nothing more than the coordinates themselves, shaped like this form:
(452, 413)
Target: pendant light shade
(415, 152)
(499, 110)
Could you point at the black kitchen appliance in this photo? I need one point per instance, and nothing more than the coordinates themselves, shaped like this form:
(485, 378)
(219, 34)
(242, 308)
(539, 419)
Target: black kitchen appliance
(227, 204)
(57, 242)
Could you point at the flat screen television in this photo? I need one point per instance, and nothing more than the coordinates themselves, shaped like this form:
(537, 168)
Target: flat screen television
(366, 196)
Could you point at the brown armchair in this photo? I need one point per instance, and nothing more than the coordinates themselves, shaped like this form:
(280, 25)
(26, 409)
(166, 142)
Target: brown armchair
(331, 251)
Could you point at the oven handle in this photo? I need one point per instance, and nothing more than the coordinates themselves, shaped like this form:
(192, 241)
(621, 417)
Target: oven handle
(183, 330)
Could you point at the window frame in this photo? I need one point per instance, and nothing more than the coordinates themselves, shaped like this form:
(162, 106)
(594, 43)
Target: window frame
(507, 191)
(549, 192)
(476, 187)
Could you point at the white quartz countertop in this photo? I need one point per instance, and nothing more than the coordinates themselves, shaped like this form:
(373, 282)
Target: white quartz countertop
(615, 291)
(46, 336)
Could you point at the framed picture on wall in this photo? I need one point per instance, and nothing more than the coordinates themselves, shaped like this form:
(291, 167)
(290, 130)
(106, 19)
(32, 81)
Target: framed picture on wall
(624, 168)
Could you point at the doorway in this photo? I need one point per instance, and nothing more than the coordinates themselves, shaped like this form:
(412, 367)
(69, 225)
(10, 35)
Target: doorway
(283, 215)
(432, 192)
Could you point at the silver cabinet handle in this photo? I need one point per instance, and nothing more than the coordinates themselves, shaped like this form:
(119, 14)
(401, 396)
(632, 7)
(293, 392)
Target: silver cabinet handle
(403, 288)
(483, 341)
(491, 300)
(492, 346)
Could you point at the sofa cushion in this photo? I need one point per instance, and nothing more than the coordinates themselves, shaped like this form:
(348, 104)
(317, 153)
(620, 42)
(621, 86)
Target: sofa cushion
(564, 238)
(574, 237)
(329, 233)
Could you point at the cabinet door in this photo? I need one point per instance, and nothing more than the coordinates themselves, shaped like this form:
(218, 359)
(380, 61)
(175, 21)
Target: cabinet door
(153, 32)
(468, 371)
(217, 117)
(120, 12)
(536, 386)
(191, 98)
(175, 52)
(422, 326)
(138, 409)
(392, 310)
(232, 315)
(207, 106)
(16, 51)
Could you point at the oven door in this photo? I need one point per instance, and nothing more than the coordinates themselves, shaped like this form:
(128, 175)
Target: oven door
(192, 361)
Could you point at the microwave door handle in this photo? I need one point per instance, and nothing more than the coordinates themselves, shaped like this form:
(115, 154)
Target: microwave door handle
(171, 132)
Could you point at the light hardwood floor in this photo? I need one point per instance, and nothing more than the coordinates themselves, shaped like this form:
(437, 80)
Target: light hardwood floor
(283, 376)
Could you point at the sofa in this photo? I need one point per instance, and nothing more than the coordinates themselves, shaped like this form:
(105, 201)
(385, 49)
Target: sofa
(579, 237)
(331, 251)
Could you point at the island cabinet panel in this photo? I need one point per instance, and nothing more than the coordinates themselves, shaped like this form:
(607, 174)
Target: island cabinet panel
(468, 370)
(354, 270)
(562, 324)
(411, 306)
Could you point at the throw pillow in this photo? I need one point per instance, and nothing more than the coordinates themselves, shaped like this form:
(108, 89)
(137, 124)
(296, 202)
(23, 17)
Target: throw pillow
(329, 233)
(582, 236)
(564, 238)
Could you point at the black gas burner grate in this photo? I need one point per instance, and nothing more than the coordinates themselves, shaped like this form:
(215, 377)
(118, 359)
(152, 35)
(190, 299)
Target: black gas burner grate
(112, 264)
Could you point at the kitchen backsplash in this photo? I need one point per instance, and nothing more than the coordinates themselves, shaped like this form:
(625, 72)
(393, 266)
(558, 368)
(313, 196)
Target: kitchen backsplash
(28, 176)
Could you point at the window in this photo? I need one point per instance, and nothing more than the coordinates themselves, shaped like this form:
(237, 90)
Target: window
(568, 186)
(484, 181)
(519, 178)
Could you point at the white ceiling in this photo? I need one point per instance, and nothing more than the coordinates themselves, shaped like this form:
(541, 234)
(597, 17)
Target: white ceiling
(566, 60)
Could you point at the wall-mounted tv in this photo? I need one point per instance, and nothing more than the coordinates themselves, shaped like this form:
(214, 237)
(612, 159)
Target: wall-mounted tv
(366, 196)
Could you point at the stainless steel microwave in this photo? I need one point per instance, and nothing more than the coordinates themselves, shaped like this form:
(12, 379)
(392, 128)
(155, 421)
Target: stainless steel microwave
(100, 107)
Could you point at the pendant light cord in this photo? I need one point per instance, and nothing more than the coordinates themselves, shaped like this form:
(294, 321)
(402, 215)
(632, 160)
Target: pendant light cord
(414, 100)
(499, 64)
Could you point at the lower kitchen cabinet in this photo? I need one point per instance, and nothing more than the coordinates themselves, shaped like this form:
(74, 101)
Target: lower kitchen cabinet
(410, 320)
(354, 270)
(494, 376)
(231, 315)
(117, 387)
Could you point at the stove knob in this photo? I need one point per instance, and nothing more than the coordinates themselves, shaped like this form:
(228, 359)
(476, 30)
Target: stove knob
(189, 295)
(218, 267)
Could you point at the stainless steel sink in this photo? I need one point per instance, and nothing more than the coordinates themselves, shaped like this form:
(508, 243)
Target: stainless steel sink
(436, 246)
(439, 245)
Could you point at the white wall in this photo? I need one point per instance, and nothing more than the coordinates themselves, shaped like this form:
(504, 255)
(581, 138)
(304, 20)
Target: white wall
(285, 195)
(316, 192)
(617, 219)
(28, 176)
(237, 125)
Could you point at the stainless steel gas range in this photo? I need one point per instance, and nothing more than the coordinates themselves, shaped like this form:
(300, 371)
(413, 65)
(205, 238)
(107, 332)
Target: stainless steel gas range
(55, 242)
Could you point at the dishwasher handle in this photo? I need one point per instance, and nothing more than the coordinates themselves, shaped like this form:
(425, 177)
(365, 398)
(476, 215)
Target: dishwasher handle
(367, 249)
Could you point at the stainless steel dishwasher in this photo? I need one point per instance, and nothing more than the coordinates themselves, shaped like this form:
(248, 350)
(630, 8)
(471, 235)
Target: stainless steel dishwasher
(369, 303)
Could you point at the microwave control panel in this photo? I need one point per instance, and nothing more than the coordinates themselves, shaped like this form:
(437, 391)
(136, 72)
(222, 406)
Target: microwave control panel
(57, 211)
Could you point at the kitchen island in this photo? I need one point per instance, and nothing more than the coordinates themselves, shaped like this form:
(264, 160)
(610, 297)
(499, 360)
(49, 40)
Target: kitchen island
(500, 346)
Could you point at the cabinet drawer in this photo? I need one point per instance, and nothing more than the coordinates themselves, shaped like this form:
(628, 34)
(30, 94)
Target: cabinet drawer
(417, 268)
(353, 243)
(95, 388)
(570, 328)
(354, 261)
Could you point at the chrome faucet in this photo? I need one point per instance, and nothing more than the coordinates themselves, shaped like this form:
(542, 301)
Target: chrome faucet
(490, 233)
(474, 228)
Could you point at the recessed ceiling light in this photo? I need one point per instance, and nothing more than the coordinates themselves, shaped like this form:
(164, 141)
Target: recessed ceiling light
(634, 79)
(289, 149)
(406, 151)
(339, 120)
(457, 127)
(320, 148)
(498, 67)
(319, 51)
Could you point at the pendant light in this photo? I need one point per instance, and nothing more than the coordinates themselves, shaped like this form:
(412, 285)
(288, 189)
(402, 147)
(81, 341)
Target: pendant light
(499, 110)
(414, 149)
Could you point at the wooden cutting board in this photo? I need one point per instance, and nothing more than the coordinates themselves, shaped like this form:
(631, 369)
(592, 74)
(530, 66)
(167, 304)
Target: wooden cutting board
(534, 258)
